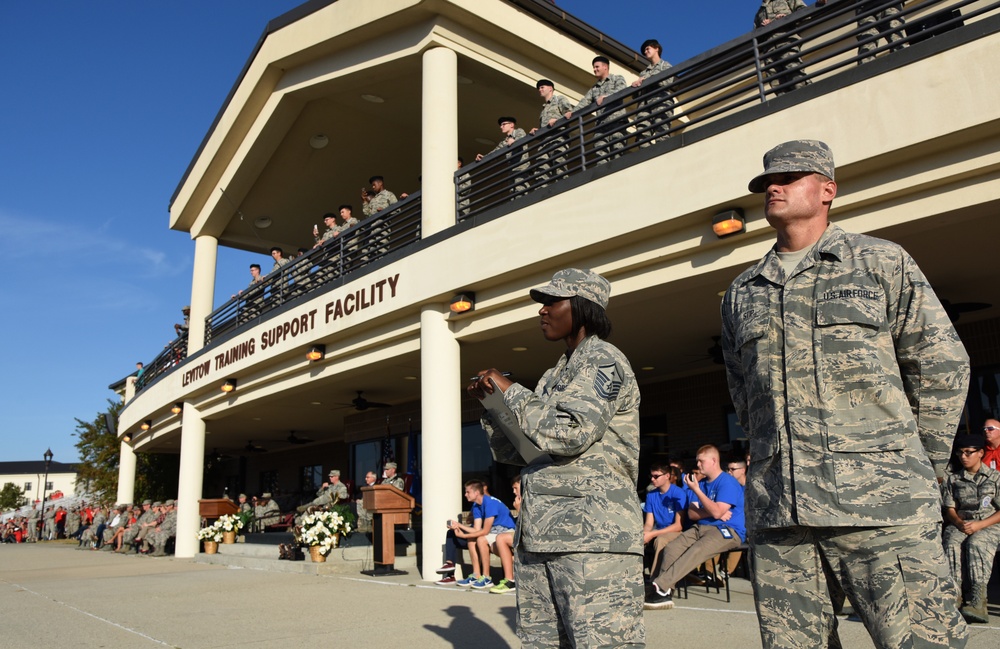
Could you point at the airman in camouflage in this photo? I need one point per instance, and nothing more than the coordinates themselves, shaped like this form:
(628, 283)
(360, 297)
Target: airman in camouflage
(33, 517)
(72, 522)
(886, 22)
(391, 478)
(379, 199)
(579, 537)
(657, 107)
(609, 133)
(849, 380)
(511, 134)
(971, 499)
(784, 66)
(554, 147)
(146, 519)
(156, 539)
(266, 512)
(329, 493)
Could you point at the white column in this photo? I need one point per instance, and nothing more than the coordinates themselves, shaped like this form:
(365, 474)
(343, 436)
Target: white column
(439, 139)
(206, 251)
(441, 431)
(126, 475)
(189, 481)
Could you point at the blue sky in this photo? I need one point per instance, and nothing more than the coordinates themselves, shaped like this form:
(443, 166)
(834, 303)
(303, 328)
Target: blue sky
(103, 106)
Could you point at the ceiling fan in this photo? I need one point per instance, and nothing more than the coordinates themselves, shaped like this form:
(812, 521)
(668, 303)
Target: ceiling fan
(956, 309)
(294, 439)
(360, 403)
(713, 353)
(254, 448)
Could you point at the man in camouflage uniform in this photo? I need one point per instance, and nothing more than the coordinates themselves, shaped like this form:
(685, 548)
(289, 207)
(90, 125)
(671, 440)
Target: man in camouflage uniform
(554, 147)
(849, 380)
(391, 478)
(33, 517)
(579, 536)
(266, 512)
(329, 493)
(657, 106)
(511, 134)
(781, 64)
(145, 519)
(609, 133)
(885, 22)
(72, 522)
(156, 539)
(379, 201)
(971, 535)
(278, 255)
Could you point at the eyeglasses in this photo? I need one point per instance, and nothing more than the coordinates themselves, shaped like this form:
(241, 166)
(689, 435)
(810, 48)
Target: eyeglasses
(734, 468)
(655, 476)
(967, 452)
(987, 429)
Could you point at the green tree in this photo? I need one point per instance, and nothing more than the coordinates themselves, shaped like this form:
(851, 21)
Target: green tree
(100, 451)
(97, 471)
(11, 497)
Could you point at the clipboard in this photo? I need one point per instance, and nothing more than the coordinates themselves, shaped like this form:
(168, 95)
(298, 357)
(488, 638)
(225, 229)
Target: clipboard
(505, 420)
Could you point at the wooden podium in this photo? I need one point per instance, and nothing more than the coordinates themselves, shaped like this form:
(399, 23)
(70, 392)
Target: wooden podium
(213, 508)
(389, 507)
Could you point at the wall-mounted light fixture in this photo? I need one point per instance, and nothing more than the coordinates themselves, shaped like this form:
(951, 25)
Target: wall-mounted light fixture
(178, 407)
(229, 385)
(728, 222)
(127, 438)
(463, 302)
(146, 425)
(316, 352)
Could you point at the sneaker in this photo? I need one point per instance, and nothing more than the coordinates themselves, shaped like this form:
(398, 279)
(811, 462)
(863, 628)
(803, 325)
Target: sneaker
(505, 586)
(467, 582)
(449, 566)
(482, 583)
(657, 600)
(447, 580)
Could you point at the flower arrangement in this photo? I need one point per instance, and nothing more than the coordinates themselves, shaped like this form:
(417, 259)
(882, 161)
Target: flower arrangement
(210, 533)
(323, 529)
(230, 523)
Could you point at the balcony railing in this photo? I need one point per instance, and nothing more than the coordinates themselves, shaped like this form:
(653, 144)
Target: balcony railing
(172, 354)
(370, 240)
(783, 56)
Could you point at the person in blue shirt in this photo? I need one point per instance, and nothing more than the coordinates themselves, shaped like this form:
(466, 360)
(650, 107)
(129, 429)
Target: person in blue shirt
(718, 514)
(664, 511)
(489, 518)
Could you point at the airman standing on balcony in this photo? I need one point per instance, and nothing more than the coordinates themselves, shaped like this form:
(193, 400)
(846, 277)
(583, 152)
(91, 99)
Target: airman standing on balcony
(182, 329)
(849, 380)
(279, 258)
(330, 221)
(553, 110)
(511, 134)
(786, 66)
(609, 135)
(656, 108)
(378, 199)
(886, 22)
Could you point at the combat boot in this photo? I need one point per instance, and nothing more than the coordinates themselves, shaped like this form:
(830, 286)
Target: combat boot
(975, 610)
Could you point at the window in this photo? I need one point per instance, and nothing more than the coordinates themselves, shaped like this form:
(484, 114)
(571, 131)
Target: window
(27, 487)
(48, 486)
(311, 478)
(268, 482)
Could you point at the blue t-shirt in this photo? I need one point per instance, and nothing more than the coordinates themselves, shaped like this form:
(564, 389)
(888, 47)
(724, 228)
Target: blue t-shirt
(726, 489)
(493, 507)
(665, 506)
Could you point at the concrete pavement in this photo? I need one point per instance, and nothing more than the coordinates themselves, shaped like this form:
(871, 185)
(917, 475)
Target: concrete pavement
(52, 595)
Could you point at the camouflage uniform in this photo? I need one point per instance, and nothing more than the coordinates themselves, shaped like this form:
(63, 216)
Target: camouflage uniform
(519, 183)
(379, 202)
(278, 263)
(49, 526)
(266, 514)
(975, 497)
(657, 107)
(377, 244)
(579, 533)
(610, 117)
(396, 481)
(849, 379)
(885, 22)
(33, 517)
(779, 65)
(72, 523)
(157, 539)
(554, 146)
(327, 496)
(129, 536)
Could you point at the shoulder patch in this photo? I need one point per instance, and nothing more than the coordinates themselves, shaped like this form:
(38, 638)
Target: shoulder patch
(608, 381)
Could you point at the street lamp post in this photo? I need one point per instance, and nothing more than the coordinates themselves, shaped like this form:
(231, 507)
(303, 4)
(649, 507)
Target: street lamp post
(45, 483)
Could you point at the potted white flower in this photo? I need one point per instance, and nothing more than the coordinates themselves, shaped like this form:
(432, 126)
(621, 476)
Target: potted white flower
(210, 536)
(321, 531)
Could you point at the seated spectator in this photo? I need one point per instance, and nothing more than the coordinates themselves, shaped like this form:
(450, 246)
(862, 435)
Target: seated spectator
(365, 516)
(489, 516)
(119, 518)
(243, 505)
(147, 516)
(991, 450)
(971, 501)
(664, 512)
(266, 512)
(154, 542)
(72, 527)
(503, 545)
(92, 536)
(157, 516)
(717, 512)
(329, 493)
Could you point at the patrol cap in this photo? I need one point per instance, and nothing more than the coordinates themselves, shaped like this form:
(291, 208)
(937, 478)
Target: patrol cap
(186, 308)
(169, 503)
(334, 473)
(242, 496)
(390, 465)
(157, 503)
(575, 281)
(507, 118)
(147, 502)
(266, 495)
(796, 156)
(544, 82)
(970, 441)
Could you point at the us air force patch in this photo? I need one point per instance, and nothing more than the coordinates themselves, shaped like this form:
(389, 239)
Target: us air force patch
(608, 381)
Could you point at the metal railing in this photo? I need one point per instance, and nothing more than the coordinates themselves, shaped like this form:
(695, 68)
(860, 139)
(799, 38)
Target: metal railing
(174, 352)
(354, 248)
(785, 55)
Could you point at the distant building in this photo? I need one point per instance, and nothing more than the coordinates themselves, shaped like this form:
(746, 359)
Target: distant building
(30, 474)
